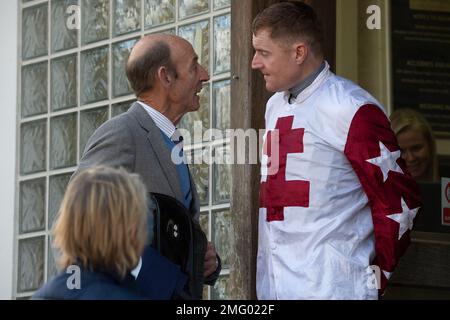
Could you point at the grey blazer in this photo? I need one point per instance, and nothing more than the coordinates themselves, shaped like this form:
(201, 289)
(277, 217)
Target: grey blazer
(133, 141)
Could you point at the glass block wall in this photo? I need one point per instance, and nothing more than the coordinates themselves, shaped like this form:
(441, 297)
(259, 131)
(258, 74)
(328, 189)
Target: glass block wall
(73, 80)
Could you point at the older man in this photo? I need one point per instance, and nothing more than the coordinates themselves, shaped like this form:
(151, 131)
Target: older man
(165, 75)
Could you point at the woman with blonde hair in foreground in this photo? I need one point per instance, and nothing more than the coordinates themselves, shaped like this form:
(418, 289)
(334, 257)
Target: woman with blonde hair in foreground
(101, 232)
(418, 146)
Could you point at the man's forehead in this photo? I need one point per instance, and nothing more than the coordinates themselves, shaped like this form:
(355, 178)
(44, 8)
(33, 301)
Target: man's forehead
(262, 39)
(255, 40)
(183, 49)
(263, 34)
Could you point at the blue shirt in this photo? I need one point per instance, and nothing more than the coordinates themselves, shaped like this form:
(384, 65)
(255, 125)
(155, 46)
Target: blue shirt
(183, 174)
(167, 132)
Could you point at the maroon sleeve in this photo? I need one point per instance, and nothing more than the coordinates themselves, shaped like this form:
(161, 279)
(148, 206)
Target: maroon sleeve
(393, 195)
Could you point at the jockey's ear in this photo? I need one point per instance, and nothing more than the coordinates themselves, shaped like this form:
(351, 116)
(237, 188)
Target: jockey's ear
(301, 52)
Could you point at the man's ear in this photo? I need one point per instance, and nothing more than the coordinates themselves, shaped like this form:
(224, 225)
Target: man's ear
(165, 77)
(301, 52)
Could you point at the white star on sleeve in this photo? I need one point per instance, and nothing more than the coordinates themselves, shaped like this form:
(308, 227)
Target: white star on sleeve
(387, 274)
(405, 218)
(387, 161)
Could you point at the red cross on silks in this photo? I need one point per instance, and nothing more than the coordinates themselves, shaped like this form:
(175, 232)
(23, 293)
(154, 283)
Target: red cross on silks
(277, 193)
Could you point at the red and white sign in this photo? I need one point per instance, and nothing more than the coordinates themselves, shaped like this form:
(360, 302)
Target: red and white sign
(446, 201)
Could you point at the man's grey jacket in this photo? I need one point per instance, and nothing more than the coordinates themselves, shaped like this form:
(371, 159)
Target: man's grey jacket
(133, 141)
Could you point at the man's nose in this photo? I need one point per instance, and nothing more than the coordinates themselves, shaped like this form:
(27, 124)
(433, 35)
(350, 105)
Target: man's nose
(204, 76)
(256, 64)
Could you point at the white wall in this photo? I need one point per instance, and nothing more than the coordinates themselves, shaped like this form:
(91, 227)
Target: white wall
(8, 106)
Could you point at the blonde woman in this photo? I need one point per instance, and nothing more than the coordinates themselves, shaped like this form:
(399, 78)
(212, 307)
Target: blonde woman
(101, 233)
(417, 143)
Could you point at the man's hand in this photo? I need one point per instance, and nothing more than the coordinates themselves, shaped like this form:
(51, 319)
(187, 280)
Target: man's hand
(210, 264)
